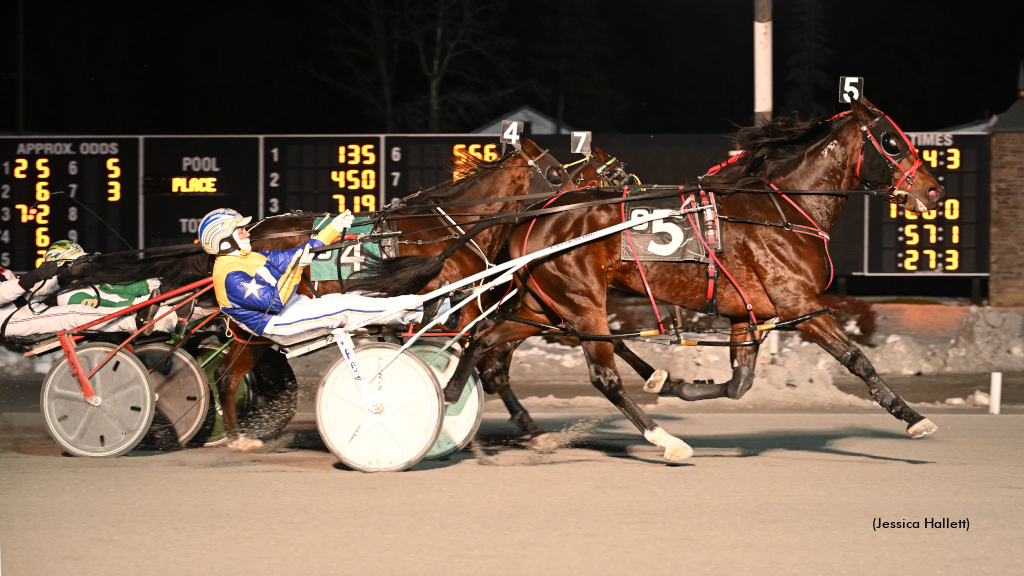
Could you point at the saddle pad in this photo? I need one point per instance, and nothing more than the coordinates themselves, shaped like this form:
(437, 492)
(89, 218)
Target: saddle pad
(673, 239)
(349, 260)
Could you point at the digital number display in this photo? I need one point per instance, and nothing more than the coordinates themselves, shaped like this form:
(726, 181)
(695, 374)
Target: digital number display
(187, 177)
(952, 239)
(419, 162)
(321, 174)
(79, 189)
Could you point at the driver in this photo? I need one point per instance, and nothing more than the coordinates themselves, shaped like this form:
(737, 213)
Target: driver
(257, 289)
(18, 295)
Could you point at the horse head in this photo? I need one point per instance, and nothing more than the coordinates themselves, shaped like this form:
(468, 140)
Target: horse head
(889, 159)
(600, 169)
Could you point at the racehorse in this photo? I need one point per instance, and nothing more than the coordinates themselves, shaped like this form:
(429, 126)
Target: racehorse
(776, 259)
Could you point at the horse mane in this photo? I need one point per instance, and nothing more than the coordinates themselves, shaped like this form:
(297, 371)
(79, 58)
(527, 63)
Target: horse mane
(174, 269)
(769, 145)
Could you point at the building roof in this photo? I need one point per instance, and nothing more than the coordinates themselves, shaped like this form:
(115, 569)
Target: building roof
(1013, 119)
(537, 122)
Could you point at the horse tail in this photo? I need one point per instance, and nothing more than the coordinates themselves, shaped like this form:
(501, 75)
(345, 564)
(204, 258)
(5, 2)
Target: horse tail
(173, 269)
(407, 274)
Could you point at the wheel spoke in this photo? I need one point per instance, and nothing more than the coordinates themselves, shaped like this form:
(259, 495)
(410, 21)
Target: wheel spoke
(71, 395)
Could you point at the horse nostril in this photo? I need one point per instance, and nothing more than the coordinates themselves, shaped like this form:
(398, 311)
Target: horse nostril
(933, 192)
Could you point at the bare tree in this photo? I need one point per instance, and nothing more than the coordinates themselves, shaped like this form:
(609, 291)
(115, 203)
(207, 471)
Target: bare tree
(452, 39)
(807, 59)
(368, 40)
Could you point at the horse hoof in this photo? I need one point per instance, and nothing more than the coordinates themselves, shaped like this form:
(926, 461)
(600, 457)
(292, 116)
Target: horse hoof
(244, 444)
(921, 428)
(656, 381)
(546, 441)
(675, 449)
(681, 451)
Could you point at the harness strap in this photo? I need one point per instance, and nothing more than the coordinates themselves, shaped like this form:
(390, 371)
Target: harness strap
(526, 238)
(639, 265)
(472, 243)
(817, 231)
(711, 254)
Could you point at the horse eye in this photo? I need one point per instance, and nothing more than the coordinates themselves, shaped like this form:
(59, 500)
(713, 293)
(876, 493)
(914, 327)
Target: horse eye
(890, 145)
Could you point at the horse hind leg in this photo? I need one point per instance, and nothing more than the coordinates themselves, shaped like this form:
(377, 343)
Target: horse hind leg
(494, 373)
(829, 336)
(240, 359)
(605, 378)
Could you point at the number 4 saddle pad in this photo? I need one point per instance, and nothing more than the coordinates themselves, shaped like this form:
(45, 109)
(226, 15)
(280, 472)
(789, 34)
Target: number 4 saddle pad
(349, 260)
(674, 238)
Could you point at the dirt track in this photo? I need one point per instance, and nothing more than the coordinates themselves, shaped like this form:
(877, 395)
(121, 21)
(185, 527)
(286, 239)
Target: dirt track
(765, 493)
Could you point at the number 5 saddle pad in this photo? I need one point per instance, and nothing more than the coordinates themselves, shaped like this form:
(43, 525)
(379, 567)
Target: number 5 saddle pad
(345, 262)
(674, 238)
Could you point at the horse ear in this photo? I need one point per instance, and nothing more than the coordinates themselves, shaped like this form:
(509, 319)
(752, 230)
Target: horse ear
(860, 110)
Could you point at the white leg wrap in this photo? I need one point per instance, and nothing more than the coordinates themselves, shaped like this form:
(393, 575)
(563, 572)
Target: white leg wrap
(675, 449)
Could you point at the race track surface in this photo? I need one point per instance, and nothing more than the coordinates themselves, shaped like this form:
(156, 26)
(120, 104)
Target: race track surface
(765, 493)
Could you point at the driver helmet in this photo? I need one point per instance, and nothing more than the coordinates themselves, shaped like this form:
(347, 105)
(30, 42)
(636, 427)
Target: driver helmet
(216, 229)
(63, 251)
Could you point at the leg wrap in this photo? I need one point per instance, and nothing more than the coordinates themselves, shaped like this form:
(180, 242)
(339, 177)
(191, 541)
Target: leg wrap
(690, 391)
(860, 366)
(742, 380)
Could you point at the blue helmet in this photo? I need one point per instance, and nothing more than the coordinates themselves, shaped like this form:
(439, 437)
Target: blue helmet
(216, 228)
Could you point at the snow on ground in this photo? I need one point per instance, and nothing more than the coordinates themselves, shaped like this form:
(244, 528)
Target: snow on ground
(801, 373)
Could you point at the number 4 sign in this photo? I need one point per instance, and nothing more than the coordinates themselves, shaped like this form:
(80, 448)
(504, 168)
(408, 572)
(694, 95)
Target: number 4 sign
(851, 88)
(580, 143)
(511, 131)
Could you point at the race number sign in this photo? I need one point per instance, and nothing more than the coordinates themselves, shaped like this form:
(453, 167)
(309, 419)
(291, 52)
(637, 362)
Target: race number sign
(580, 143)
(672, 239)
(851, 88)
(511, 131)
(351, 259)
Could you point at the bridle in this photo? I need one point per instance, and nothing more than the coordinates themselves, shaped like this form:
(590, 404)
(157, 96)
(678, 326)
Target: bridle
(612, 173)
(884, 169)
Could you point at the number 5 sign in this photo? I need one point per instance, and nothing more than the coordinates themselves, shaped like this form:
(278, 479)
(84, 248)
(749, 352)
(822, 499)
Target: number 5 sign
(851, 88)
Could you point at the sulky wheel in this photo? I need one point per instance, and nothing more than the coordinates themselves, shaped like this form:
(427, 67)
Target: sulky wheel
(406, 427)
(182, 395)
(126, 403)
(265, 399)
(462, 419)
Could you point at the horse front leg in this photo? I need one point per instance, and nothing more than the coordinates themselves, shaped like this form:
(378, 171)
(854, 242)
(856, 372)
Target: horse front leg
(742, 358)
(604, 377)
(240, 359)
(826, 332)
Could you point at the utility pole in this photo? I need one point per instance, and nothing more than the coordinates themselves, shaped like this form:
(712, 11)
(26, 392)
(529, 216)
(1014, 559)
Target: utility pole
(20, 98)
(762, 60)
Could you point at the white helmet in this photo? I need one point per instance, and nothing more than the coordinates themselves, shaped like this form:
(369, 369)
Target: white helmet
(215, 231)
(63, 251)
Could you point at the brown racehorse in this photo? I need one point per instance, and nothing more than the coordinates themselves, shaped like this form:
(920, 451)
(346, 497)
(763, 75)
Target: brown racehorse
(773, 271)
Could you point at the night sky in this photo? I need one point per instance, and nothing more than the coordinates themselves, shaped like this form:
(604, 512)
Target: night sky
(257, 67)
